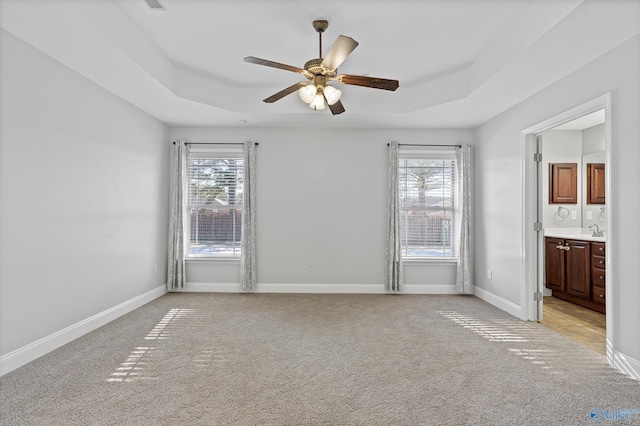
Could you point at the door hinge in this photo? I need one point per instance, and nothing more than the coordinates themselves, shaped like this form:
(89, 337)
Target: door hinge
(537, 157)
(537, 226)
(537, 296)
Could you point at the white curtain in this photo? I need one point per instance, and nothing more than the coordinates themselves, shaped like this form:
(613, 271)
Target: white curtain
(177, 218)
(464, 274)
(393, 267)
(248, 252)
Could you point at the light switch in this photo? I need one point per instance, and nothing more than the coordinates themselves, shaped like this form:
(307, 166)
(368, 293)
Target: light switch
(589, 215)
(574, 215)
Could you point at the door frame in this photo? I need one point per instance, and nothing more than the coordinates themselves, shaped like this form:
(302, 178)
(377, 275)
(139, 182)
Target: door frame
(532, 241)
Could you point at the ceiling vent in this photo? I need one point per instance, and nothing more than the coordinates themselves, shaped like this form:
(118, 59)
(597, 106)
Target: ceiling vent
(154, 4)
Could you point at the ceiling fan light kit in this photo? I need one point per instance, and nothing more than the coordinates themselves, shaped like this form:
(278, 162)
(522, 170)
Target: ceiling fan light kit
(307, 93)
(318, 101)
(331, 94)
(320, 71)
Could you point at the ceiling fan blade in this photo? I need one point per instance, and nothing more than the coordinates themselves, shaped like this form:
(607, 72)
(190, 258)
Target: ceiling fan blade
(361, 80)
(254, 60)
(336, 108)
(281, 94)
(342, 48)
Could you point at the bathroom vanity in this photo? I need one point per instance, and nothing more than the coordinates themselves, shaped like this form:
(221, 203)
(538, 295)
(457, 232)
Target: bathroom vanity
(575, 267)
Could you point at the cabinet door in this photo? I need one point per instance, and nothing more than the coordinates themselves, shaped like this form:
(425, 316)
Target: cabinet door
(554, 264)
(578, 268)
(595, 183)
(563, 183)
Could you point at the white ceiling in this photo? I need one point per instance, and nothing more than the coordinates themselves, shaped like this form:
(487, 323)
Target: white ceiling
(459, 62)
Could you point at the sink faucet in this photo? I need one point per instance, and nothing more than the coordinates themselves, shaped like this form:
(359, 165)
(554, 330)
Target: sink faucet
(596, 232)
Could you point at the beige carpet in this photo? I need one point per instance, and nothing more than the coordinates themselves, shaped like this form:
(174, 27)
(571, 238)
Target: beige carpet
(267, 359)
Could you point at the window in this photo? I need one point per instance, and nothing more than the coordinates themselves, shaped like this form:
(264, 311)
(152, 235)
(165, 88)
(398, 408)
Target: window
(427, 205)
(214, 202)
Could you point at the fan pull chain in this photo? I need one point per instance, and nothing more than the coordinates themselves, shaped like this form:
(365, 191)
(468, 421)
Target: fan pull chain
(320, 35)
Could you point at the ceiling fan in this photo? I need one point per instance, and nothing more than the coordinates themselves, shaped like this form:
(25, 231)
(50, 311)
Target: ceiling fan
(320, 71)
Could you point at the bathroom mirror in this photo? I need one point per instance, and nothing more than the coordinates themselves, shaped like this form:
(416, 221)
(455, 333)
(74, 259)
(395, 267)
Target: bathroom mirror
(593, 212)
(580, 141)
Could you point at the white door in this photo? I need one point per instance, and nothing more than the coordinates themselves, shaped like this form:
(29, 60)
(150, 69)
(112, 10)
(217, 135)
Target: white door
(540, 270)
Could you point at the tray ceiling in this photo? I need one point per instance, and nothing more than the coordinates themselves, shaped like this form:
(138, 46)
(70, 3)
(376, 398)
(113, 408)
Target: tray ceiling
(459, 62)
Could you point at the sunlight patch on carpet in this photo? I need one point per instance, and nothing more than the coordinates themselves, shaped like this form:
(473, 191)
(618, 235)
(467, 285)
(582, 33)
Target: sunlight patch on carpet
(176, 321)
(166, 326)
(494, 329)
(512, 331)
(133, 367)
(535, 356)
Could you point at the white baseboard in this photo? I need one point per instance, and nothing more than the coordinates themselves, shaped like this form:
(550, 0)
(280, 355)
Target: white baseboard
(35, 350)
(498, 302)
(318, 288)
(626, 364)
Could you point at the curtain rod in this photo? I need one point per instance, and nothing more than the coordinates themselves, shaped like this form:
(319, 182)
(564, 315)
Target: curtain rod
(213, 143)
(420, 144)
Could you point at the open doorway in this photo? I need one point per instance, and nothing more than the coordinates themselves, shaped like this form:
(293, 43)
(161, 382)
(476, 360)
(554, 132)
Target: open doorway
(573, 203)
(567, 213)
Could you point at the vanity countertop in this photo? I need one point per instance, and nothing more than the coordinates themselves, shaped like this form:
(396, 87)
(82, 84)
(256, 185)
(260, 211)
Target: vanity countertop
(573, 233)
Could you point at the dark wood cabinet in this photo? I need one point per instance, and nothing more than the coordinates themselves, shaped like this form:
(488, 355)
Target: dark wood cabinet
(563, 183)
(575, 271)
(595, 183)
(598, 273)
(554, 262)
(578, 268)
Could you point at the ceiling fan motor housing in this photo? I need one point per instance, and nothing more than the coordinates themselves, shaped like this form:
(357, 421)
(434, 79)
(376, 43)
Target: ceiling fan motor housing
(314, 66)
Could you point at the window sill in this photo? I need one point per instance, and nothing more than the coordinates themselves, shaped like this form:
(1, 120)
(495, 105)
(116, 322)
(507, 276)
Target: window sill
(218, 259)
(430, 261)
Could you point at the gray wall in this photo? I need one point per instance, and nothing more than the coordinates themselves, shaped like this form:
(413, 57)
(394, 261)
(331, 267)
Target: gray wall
(593, 139)
(498, 184)
(331, 187)
(83, 184)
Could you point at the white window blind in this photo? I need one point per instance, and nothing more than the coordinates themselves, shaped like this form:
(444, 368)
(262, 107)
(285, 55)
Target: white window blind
(214, 202)
(427, 204)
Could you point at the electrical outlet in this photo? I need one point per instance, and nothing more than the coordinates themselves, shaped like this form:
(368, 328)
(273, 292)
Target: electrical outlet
(489, 274)
(155, 269)
(589, 215)
(312, 267)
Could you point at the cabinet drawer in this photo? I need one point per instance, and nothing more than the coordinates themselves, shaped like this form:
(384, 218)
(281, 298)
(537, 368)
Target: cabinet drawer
(598, 249)
(598, 277)
(598, 262)
(598, 295)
